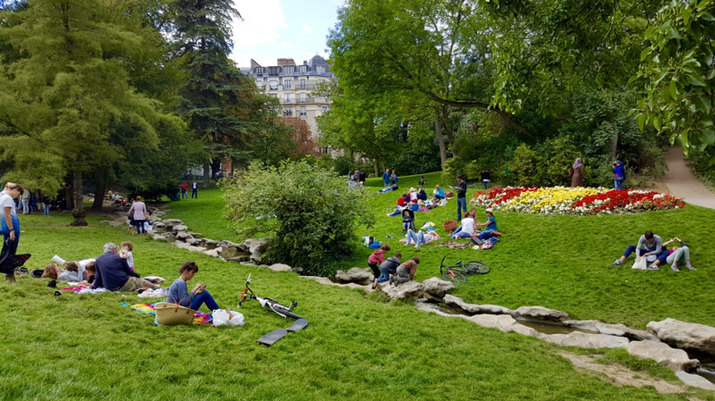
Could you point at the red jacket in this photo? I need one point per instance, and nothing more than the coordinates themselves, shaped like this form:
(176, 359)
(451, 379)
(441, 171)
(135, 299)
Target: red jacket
(377, 257)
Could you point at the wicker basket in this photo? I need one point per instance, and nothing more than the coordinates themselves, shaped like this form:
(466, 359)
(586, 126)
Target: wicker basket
(168, 314)
(450, 226)
(449, 194)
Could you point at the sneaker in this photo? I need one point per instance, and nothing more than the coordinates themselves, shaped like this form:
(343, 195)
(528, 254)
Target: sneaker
(617, 262)
(691, 267)
(675, 268)
(653, 267)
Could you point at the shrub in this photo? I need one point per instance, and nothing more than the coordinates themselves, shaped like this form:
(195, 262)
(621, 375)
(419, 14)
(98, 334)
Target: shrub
(523, 166)
(309, 211)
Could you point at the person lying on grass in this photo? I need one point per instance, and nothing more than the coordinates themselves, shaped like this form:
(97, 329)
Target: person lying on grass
(179, 294)
(405, 272)
(673, 256)
(648, 244)
(73, 271)
(389, 267)
(113, 272)
(420, 237)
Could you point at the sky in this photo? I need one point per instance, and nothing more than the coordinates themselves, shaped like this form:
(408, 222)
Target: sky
(273, 29)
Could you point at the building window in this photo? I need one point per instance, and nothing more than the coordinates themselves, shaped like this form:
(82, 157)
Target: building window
(287, 83)
(287, 112)
(258, 71)
(273, 84)
(302, 111)
(288, 70)
(303, 69)
(287, 97)
(302, 98)
(302, 84)
(324, 109)
(320, 69)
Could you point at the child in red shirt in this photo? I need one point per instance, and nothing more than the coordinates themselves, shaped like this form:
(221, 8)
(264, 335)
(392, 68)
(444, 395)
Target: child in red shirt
(374, 261)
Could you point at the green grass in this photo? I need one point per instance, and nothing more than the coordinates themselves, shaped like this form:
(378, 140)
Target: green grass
(561, 262)
(356, 347)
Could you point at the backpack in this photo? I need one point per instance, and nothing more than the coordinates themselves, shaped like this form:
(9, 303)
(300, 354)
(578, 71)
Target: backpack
(9, 261)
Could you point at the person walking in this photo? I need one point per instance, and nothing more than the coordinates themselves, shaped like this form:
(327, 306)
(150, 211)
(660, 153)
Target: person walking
(486, 177)
(576, 172)
(194, 190)
(461, 189)
(10, 224)
(619, 174)
(139, 214)
(386, 178)
(25, 201)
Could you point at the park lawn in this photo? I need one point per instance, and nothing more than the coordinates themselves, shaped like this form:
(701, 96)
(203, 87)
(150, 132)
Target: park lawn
(560, 262)
(87, 347)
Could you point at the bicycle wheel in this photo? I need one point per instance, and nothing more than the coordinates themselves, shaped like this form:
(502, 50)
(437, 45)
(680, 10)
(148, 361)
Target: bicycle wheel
(454, 276)
(475, 267)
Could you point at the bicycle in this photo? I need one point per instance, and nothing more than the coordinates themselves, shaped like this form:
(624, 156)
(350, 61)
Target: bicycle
(458, 272)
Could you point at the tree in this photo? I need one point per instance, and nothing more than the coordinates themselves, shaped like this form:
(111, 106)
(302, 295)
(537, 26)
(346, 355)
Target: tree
(419, 51)
(677, 74)
(218, 101)
(69, 90)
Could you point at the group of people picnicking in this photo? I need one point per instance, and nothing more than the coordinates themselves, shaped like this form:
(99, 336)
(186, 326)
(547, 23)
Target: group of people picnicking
(656, 252)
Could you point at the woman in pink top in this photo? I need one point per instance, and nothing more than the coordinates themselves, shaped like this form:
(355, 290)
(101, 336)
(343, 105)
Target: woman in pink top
(138, 212)
(374, 261)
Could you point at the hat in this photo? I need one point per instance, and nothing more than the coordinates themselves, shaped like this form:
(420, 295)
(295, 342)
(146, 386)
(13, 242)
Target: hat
(412, 189)
(488, 210)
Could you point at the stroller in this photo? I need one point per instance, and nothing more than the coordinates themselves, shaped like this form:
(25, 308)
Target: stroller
(408, 220)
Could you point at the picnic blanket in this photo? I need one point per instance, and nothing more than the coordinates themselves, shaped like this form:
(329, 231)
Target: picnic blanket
(199, 317)
(84, 290)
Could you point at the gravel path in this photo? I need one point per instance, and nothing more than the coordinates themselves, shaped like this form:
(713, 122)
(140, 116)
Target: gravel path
(681, 182)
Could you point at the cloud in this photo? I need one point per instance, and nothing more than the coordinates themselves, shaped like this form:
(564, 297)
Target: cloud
(262, 24)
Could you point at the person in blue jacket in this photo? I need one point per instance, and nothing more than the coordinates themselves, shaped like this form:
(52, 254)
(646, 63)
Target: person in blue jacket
(179, 293)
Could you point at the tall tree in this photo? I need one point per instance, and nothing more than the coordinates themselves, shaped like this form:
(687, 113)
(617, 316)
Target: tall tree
(217, 99)
(69, 90)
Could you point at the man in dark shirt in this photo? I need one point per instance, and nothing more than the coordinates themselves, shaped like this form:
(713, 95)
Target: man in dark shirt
(114, 274)
(461, 189)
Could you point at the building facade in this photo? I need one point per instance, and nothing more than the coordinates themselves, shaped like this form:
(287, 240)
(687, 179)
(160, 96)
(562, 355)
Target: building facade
(295, 87)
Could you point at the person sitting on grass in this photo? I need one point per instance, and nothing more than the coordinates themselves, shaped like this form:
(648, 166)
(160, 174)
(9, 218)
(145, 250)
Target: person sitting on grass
(375, 260)
(438, 194)
(420, 237)
(179, 294)
(389, 267)
(126, 253)
(648, 244)
(466, 229)
(113, 272)
(405, 272)
(490, 224)
(89, 275)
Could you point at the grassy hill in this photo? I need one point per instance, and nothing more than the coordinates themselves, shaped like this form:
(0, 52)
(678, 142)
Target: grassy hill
(357, 347)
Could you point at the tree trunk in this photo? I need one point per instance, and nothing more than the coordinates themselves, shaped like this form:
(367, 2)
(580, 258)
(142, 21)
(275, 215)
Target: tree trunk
(207, 174)
(377, 168)
(99, 190)
(614, 146)
(440, 139)
(78, 210)
(215, 167)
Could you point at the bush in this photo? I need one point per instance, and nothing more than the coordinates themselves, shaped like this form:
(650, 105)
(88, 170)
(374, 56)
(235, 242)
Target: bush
(523, 167)
(309, 211)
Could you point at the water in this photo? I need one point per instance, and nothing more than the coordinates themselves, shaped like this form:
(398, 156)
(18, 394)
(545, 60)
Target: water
(548, 328)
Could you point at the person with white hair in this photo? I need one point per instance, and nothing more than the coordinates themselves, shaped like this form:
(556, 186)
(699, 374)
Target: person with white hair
(114, 274)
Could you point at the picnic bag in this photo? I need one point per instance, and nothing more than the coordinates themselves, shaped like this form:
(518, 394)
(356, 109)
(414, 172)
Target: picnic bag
(450, 226)
(168, 314)
(640, 263)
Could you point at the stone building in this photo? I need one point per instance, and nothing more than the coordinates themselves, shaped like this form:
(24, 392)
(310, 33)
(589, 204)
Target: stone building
(294, 86)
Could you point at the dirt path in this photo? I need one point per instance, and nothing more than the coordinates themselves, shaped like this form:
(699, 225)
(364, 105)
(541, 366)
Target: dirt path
(681, 182)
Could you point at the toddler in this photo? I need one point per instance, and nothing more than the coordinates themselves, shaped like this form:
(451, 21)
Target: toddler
(126, 253)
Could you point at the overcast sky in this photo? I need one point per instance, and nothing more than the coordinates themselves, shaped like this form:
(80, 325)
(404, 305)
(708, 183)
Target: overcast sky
(273, 29)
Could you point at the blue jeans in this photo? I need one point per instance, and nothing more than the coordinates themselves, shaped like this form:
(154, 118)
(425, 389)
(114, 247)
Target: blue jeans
(461, 204)
(417, 237)
(204, 298)
(485, 184)
(139, 224)
(642, 251)
(486, 234)
(185, 194)
(47, 209)
(618, 183)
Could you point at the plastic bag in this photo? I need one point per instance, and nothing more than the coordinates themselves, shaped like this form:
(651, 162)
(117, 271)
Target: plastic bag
(640, 264)
(148, 227)
(227, 317)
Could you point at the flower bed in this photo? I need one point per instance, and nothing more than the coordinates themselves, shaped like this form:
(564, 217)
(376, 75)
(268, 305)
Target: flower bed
(579, 201)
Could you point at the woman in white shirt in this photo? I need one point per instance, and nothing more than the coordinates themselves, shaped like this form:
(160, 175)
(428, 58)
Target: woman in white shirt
(10, 224)
(467, 228)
